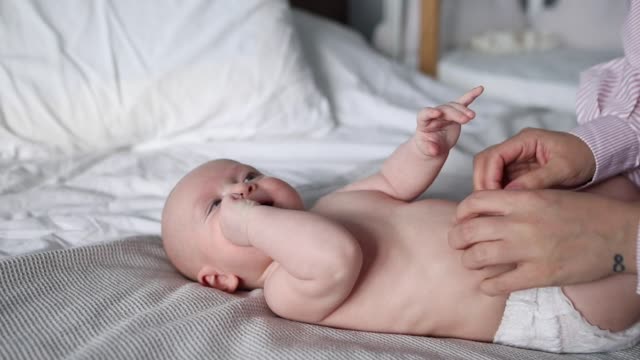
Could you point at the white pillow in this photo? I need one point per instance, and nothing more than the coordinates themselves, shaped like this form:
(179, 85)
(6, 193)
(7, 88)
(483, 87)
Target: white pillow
(87, 75)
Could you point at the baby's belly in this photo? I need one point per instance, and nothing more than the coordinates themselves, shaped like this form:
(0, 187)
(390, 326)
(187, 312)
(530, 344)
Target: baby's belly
(413, 282)
(451, 293)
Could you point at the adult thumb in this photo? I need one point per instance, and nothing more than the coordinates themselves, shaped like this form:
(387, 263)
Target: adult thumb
(541, 178)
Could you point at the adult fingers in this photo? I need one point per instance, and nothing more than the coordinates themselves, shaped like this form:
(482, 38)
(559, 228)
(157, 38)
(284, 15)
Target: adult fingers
(484, 176)
(522, 277)
(487, 202)
(475, 230)
(495, 270)
(470, 96)
(491, 253)
(490, 164)
(544, 177)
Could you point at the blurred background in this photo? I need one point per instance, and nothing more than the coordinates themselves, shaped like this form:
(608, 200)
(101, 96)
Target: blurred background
(538, 46)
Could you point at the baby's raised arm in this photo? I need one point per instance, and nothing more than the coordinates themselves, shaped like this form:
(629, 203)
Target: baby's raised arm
(316, 261)
(413, 166)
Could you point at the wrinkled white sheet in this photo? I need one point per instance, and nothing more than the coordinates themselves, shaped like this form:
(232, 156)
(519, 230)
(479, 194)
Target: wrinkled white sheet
(64, 203)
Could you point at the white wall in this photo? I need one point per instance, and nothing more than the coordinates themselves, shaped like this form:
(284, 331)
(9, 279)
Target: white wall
(462, 19)
(580, 23)
(593, 24)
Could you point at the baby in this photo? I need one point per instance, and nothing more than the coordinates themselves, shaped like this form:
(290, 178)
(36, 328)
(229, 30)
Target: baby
(368, 257)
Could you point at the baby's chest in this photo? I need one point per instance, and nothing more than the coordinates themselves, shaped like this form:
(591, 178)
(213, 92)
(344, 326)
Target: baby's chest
(358, 207)
(377, 208)
(390, 225)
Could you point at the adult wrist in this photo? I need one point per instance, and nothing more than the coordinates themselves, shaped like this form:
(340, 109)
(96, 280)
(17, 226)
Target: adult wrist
(635, 258)
(634, 238)
(627, 250)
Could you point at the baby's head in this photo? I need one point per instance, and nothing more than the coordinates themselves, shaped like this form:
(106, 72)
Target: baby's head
(191, 233)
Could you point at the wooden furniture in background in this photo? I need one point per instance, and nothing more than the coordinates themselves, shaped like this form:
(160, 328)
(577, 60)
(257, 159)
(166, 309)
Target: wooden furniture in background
(429, 36)
(429, 25)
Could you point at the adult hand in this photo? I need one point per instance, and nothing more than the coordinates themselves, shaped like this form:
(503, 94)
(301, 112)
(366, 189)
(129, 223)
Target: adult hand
(554, 237)
(534, 159)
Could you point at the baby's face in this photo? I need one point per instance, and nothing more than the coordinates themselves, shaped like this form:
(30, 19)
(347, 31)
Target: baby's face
(191, 221)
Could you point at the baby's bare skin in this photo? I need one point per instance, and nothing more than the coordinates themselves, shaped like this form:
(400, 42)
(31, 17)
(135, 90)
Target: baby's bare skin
(411, 281)
(368, 256)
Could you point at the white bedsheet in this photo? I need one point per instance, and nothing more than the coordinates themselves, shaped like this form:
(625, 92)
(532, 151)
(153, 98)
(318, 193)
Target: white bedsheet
(70, 202)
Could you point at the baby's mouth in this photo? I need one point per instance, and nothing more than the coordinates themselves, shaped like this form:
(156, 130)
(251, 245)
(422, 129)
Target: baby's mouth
(267, 203)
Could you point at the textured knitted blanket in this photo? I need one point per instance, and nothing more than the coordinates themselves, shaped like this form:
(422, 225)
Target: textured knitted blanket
(123, 300)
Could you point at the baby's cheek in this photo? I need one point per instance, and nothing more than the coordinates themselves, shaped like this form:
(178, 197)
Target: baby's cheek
(294, 202)
(283, 194)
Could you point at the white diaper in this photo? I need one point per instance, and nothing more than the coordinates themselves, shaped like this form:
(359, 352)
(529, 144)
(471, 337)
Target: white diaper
(545, 319)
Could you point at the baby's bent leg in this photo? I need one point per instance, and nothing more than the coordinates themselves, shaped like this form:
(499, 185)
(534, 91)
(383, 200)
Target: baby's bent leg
(610, 303)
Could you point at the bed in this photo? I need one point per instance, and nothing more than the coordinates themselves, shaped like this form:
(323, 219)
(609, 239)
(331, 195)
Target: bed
(82, 270)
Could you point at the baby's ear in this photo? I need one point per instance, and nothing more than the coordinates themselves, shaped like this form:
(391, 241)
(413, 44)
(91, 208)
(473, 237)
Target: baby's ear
(219, 280)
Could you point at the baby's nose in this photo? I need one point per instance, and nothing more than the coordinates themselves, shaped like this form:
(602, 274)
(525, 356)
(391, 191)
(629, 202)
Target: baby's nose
(243, 189)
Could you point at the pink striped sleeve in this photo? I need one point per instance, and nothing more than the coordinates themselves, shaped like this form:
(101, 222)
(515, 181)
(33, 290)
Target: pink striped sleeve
(611, 141)
(609, 113)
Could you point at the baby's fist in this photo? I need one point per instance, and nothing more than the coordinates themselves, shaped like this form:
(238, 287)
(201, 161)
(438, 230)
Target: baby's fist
(234, 218)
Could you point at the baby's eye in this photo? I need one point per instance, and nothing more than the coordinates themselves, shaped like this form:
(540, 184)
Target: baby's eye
(250, 176)
(214, 204)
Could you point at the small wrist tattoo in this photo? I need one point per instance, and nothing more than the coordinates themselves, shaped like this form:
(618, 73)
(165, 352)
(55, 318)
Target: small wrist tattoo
(618, 265)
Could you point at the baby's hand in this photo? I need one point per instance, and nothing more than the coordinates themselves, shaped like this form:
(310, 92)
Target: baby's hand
(438, 128)
(234, 218)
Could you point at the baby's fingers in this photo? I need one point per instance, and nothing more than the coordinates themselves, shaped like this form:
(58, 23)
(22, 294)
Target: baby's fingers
(463, 109)
(456, 113)
(428, 113)
(470, 96)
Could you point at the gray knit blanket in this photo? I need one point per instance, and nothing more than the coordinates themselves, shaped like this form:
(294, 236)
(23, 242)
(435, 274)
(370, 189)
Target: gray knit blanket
(123, 300)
